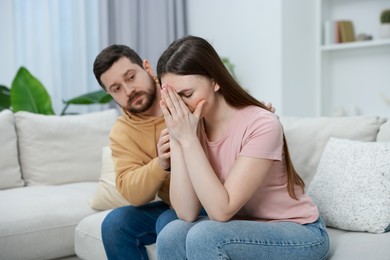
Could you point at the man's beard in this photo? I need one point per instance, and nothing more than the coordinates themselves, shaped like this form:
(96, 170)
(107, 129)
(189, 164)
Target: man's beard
(149, 98)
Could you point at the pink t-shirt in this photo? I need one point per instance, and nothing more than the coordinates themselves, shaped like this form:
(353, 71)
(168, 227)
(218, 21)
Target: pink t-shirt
(255, 132)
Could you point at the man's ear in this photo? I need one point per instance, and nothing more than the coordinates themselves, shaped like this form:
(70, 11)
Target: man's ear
(148, 68)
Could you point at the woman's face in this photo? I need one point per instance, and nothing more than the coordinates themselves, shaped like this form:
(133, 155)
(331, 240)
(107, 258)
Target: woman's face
(192, 89)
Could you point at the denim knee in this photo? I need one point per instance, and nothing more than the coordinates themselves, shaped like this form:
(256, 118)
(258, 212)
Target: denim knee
(165, 218)
(248, 240)
(166, 240)
(203, 239)
(112, 222)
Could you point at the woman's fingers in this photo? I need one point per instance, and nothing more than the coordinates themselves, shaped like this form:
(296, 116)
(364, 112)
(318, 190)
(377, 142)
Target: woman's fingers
(198, 109)
(178, 118)
(174, 102)
(165, 110)
(177, 100)
(167, 100)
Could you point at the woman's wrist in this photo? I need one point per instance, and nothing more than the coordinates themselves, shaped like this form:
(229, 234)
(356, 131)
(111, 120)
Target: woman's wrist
(189, 142)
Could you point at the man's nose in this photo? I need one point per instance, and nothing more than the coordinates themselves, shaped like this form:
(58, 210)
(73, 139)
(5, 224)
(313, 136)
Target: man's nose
(128, 89)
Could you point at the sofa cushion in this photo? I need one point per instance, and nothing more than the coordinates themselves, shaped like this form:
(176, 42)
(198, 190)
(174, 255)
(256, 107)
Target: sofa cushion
(352, 185)
(307, 137)
(10, 175)
(107, 196)
(88, 238)
(38, 222)
(62, 149)
(345, 245)
(384, 132)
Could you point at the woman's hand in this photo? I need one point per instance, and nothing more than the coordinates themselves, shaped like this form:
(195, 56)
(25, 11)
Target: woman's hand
(181, 123)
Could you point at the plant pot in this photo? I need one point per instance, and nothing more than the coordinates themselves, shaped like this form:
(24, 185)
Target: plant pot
(385, 30)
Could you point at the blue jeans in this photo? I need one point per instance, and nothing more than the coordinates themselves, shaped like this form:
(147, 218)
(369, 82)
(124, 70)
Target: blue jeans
(127, 230)
(238, 239)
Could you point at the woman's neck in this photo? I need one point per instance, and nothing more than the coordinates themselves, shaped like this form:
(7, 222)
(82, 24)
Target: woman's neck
(217, 121)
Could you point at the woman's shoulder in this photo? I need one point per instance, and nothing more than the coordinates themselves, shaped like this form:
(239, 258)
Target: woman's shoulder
(259, 119)
(256, 113)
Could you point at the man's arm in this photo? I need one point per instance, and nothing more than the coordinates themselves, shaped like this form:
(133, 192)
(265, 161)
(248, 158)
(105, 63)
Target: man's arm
(139, 176)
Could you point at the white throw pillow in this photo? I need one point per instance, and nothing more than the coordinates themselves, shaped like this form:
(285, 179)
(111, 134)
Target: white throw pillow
(10, 175)
(106, 195)
(352, 185)
(62, 149)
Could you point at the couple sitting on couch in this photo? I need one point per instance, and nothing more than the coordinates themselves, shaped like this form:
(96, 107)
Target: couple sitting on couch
(211, 135)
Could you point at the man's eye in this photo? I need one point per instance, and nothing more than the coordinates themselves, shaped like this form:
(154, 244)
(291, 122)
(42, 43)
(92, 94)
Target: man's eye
(130, 77)
(115, 89)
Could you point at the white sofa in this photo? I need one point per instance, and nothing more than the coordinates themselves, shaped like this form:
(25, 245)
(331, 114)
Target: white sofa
(49, 169)
(52, 171)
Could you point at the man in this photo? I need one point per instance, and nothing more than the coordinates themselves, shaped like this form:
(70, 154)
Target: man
(140, 150)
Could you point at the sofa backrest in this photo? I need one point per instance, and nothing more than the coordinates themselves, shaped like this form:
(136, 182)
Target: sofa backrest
(57, 150)
(62, 149)
(307, 137)
(10, 174)
(49, 150)
(384, 132)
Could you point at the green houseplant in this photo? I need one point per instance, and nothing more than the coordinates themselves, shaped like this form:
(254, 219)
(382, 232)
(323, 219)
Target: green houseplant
(385, 23)
(28, 94)
(229, 66)
(385, 16)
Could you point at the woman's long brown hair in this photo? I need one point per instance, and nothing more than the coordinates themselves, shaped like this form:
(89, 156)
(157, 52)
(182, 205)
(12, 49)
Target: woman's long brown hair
(193, 55)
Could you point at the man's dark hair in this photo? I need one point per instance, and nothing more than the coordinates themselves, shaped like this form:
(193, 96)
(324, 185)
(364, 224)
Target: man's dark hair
(108, 56)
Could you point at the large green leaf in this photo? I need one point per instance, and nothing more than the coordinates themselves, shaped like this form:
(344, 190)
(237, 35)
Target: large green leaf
(28, 94)
(5, 100)
(229, 66)
(96, 97)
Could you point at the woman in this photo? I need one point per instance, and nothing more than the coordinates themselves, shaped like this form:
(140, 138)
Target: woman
(229, 157)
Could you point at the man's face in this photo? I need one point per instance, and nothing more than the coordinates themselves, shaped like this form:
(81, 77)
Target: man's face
(130, 85)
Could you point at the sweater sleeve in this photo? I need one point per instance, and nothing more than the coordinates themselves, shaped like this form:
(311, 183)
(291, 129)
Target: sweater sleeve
(139, 177)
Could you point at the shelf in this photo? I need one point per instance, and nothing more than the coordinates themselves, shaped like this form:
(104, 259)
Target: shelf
(353, 45)
(352, 77)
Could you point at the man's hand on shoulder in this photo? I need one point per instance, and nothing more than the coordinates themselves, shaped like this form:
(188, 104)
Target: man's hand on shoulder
(269, 106)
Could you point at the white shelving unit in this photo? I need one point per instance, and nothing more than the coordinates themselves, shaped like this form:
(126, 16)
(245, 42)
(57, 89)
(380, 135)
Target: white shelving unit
(361, 44)
(352, 78)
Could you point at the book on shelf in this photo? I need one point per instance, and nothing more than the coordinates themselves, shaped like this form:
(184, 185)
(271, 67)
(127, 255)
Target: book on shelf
(338, 31)
(329, 32)
(344, 31)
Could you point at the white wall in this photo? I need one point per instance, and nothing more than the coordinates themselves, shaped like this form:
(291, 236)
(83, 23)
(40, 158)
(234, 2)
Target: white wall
(7, 72)
(275, 47)
(299, 58)
(248, 33)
